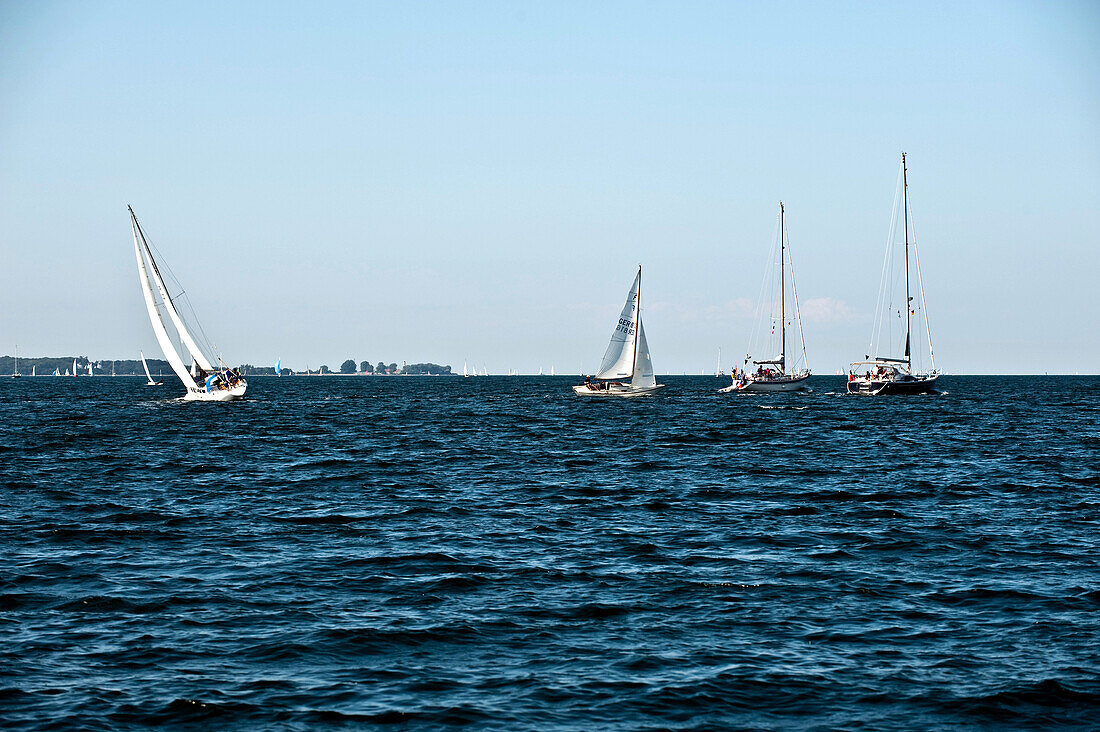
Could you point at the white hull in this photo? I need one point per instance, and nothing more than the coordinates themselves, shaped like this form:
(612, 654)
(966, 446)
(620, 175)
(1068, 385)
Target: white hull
(770, 386)
(623, 390)
(219, 395)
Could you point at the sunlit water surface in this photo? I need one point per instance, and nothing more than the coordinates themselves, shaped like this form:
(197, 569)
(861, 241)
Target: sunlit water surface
(498, 553)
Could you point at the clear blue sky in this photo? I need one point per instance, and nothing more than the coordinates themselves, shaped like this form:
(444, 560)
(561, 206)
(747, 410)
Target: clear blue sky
(477, 181)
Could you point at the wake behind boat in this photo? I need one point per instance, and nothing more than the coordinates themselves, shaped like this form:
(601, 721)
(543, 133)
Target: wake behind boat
(626, 369)
(775, 373)
(889, 374)
(203, 382)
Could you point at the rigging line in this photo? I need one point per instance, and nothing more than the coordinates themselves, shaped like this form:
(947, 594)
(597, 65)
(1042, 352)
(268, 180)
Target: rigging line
(797, 312)
(920, 286)
(758, 310)
(882, 302)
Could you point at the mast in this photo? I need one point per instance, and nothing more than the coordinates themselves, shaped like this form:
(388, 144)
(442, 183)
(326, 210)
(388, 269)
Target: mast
(782, 295)
(908, 299)
(637, 323)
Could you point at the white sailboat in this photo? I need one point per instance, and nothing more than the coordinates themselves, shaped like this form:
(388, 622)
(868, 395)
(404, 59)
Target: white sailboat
(892, 374)
(776, 373)
(148, 377)
(465, 371)
(15, 371)
(75, 374)
(222, 384)
(90, 368)
(627, 355)
(34, 368)
(57, 372)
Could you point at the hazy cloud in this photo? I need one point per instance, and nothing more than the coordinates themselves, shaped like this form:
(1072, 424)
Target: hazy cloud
(826, 310)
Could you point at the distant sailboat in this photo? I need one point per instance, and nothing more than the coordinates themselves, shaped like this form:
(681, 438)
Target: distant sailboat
(15, 371)
(278, 367)
(627, 355)
(776, 373)
(149, 377)
(34, 368)
(465, 371)
(891, 374)
(74, 369)
(90, 369)
(57, 372)
(222, 384)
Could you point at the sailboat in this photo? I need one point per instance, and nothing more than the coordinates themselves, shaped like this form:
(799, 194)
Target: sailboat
(34, 369)
(90, 368)
(776, 373)
(627, 355)
(465, 371)
(75, 374)
(15, 371)
(207, 384)
(891, 374)
(149, 377)
(278, 367)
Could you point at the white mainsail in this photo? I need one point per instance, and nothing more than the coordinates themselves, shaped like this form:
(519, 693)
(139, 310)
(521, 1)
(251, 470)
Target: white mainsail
(89, 368)
(166, 300)
(146, 367)
(643, 364)
(159, 330)
(618, 359)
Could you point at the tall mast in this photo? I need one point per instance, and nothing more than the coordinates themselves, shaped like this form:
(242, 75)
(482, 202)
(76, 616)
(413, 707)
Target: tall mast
(637, 322)
(782, 295)
(908, 299)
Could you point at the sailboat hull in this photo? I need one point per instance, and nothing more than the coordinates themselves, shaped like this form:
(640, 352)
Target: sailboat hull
(764, 386)
(219, 395)
(615, 390)
(875, 387)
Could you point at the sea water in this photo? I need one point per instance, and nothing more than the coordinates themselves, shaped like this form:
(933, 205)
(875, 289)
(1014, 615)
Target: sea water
(500, 554)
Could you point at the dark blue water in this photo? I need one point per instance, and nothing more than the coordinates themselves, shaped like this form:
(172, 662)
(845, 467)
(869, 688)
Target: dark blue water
(498, 553)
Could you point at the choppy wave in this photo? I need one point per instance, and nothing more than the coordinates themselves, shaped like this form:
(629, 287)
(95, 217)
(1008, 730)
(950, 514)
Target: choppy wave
(495, 553)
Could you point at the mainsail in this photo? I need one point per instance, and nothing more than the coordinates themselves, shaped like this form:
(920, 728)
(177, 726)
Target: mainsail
(146, 367)
(618, 359)
(159, 330)
(166, 300)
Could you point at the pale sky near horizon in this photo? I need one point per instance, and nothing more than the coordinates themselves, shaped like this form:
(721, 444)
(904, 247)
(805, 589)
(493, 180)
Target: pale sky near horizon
(461, 181)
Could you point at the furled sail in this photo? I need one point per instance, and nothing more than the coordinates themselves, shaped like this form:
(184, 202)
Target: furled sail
(166, 300)
(618, 359)
(643, 364)
(159, 330)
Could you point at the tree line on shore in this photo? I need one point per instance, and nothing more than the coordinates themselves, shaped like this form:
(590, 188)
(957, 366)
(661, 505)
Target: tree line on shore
(132, 367)
(46, 366)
